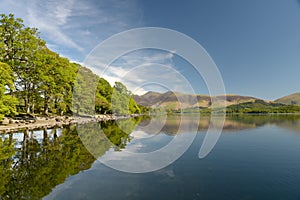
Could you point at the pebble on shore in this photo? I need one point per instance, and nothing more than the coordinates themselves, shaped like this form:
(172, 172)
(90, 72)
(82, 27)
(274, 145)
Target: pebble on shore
(10, 125)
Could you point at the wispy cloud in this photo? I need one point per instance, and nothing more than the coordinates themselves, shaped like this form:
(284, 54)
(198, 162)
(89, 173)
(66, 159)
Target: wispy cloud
(73, 27)
(50, 20)
(142, 71)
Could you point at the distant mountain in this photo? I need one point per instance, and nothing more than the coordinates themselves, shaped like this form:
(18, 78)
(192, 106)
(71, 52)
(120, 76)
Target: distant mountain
(176, 100)
(171, 100)
(293, 99)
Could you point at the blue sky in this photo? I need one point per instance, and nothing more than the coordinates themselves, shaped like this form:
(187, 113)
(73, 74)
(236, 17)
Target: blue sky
(255, 44)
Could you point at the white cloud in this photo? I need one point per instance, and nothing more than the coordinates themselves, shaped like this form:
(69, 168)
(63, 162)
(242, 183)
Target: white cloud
(142, 71)
(51, 17)
(74, 27)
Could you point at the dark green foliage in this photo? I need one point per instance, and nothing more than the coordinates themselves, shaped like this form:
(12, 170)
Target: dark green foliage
(118, 133)
(144, 109)
(103, 97)
(37, 80)
(6, 153)
(260, 106)
(85, 86)
(39, 167)
(256, 107)
(7, 102)
(122, 101)
(260, 120)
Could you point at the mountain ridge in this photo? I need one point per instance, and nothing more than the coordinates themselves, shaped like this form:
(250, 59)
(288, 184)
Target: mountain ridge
(176, 100)
(173, 99)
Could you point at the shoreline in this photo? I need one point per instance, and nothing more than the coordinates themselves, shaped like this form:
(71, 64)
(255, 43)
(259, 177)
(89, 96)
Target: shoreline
(58, 121)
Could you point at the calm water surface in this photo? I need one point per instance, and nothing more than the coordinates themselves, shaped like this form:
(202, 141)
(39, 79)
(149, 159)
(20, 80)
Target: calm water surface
(256, 157)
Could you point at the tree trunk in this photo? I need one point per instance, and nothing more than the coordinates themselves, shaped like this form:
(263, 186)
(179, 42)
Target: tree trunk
(26, 99)
(28, 108)
(25, 103)
(55, 133)
(46, 104)
(45, 137)
(32, 108)
(46, 108)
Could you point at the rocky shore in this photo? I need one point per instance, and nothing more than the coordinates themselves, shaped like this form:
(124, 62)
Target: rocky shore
(12, 125)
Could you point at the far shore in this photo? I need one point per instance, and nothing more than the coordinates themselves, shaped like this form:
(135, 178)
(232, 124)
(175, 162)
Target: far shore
(55, 121)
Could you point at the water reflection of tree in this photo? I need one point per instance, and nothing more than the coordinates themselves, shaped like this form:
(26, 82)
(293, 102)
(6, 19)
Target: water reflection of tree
(100, 137)
(32, 171)
(37, 168)
(261, 120)
(6, 153)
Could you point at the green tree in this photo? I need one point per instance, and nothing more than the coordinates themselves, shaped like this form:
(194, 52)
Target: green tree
(103, 97)
(19, 48)
(85, 85)
(133, 107)
(56, 77)
(122, 101)
(7, 102)
(46, 82)
(65, 83)
(10, 41)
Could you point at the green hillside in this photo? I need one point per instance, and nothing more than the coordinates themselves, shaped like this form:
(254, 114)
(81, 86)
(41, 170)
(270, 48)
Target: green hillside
(260, 106)
(293, 99)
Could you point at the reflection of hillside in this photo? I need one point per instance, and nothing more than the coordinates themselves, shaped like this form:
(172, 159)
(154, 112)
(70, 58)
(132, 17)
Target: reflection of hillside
(291, 125)
(188, 123)
(232, 123)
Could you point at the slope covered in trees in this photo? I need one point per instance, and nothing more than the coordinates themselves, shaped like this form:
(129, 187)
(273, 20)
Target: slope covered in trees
(260, 106)
(34, 79)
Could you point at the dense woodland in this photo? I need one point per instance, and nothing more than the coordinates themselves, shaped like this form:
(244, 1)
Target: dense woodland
(260, 106)
(36, 80)
(256, 107)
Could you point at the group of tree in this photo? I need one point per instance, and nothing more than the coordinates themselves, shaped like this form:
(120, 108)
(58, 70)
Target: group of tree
(263, 107)
(34, 79)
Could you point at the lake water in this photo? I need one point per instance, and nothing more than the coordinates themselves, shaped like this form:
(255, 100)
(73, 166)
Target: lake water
(256, 157)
